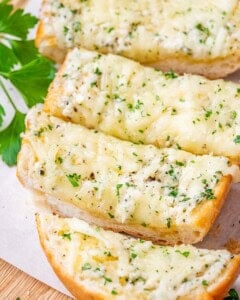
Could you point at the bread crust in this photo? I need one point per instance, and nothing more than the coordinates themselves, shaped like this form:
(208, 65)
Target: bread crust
(48, 45)
(217, 292)
(206, 215)
(220, 290)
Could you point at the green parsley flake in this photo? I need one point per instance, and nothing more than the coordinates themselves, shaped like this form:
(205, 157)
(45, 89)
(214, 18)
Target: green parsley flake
(204, 283)
(232, 295)
(118, 187)
(170, 75)
(66, 236)
(185, 253)
(74, 179)
(169, 221)
(86, 266)
(237, 139)
(111, 215)
(114, 292)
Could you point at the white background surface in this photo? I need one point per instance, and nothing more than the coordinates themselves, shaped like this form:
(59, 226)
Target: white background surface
(19, 241)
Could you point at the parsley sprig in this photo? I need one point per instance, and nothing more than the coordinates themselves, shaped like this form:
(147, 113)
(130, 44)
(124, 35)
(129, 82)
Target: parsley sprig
(23, 67)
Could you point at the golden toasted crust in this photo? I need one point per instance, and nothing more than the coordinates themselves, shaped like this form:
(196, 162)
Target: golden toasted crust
(218, 291)
(48, 45)
(50, 104)
(226, 280)
(209, 210)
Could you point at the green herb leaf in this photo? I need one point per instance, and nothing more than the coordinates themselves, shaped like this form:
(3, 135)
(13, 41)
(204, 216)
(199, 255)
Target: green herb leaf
(118, 187)
(10, 139)
(114, 292)
(208, 194)
(73, 179)
(111, 215)
(2, 114)
(106, 280)
(232, 295)
(33, 79)
(185, 253)
(25, 51)
(25, 68)
(170, 75)
(169, 221)
(67, 236)
(97, 72)
(86, 266)
(204, 283)
(133, 255)
(237, 139)
(7, 59)
(16, 23)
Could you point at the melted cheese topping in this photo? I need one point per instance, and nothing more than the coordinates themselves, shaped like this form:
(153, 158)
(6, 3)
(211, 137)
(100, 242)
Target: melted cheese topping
(120, 181)
(124, 99)
(113, 264)
(146, 30)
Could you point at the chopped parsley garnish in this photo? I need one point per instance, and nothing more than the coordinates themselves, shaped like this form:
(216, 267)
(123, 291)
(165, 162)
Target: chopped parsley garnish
(114, 292)
(237, 139)
(136, 106)
(59, 160)
(65, 30)
(232, 295)
(86, 266)
(106, 280)
(174, 192)
(74, 179)
(98, 72)
(110, 29)
(170, 75)
(118, 187)
(111, 215)
(185, 253)
(133, 255)
(208, 114)
(208, 194)
(205, 32)
(66, 236)
(180, 164)
(169, 221)
(204, 283)
(233, 115)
